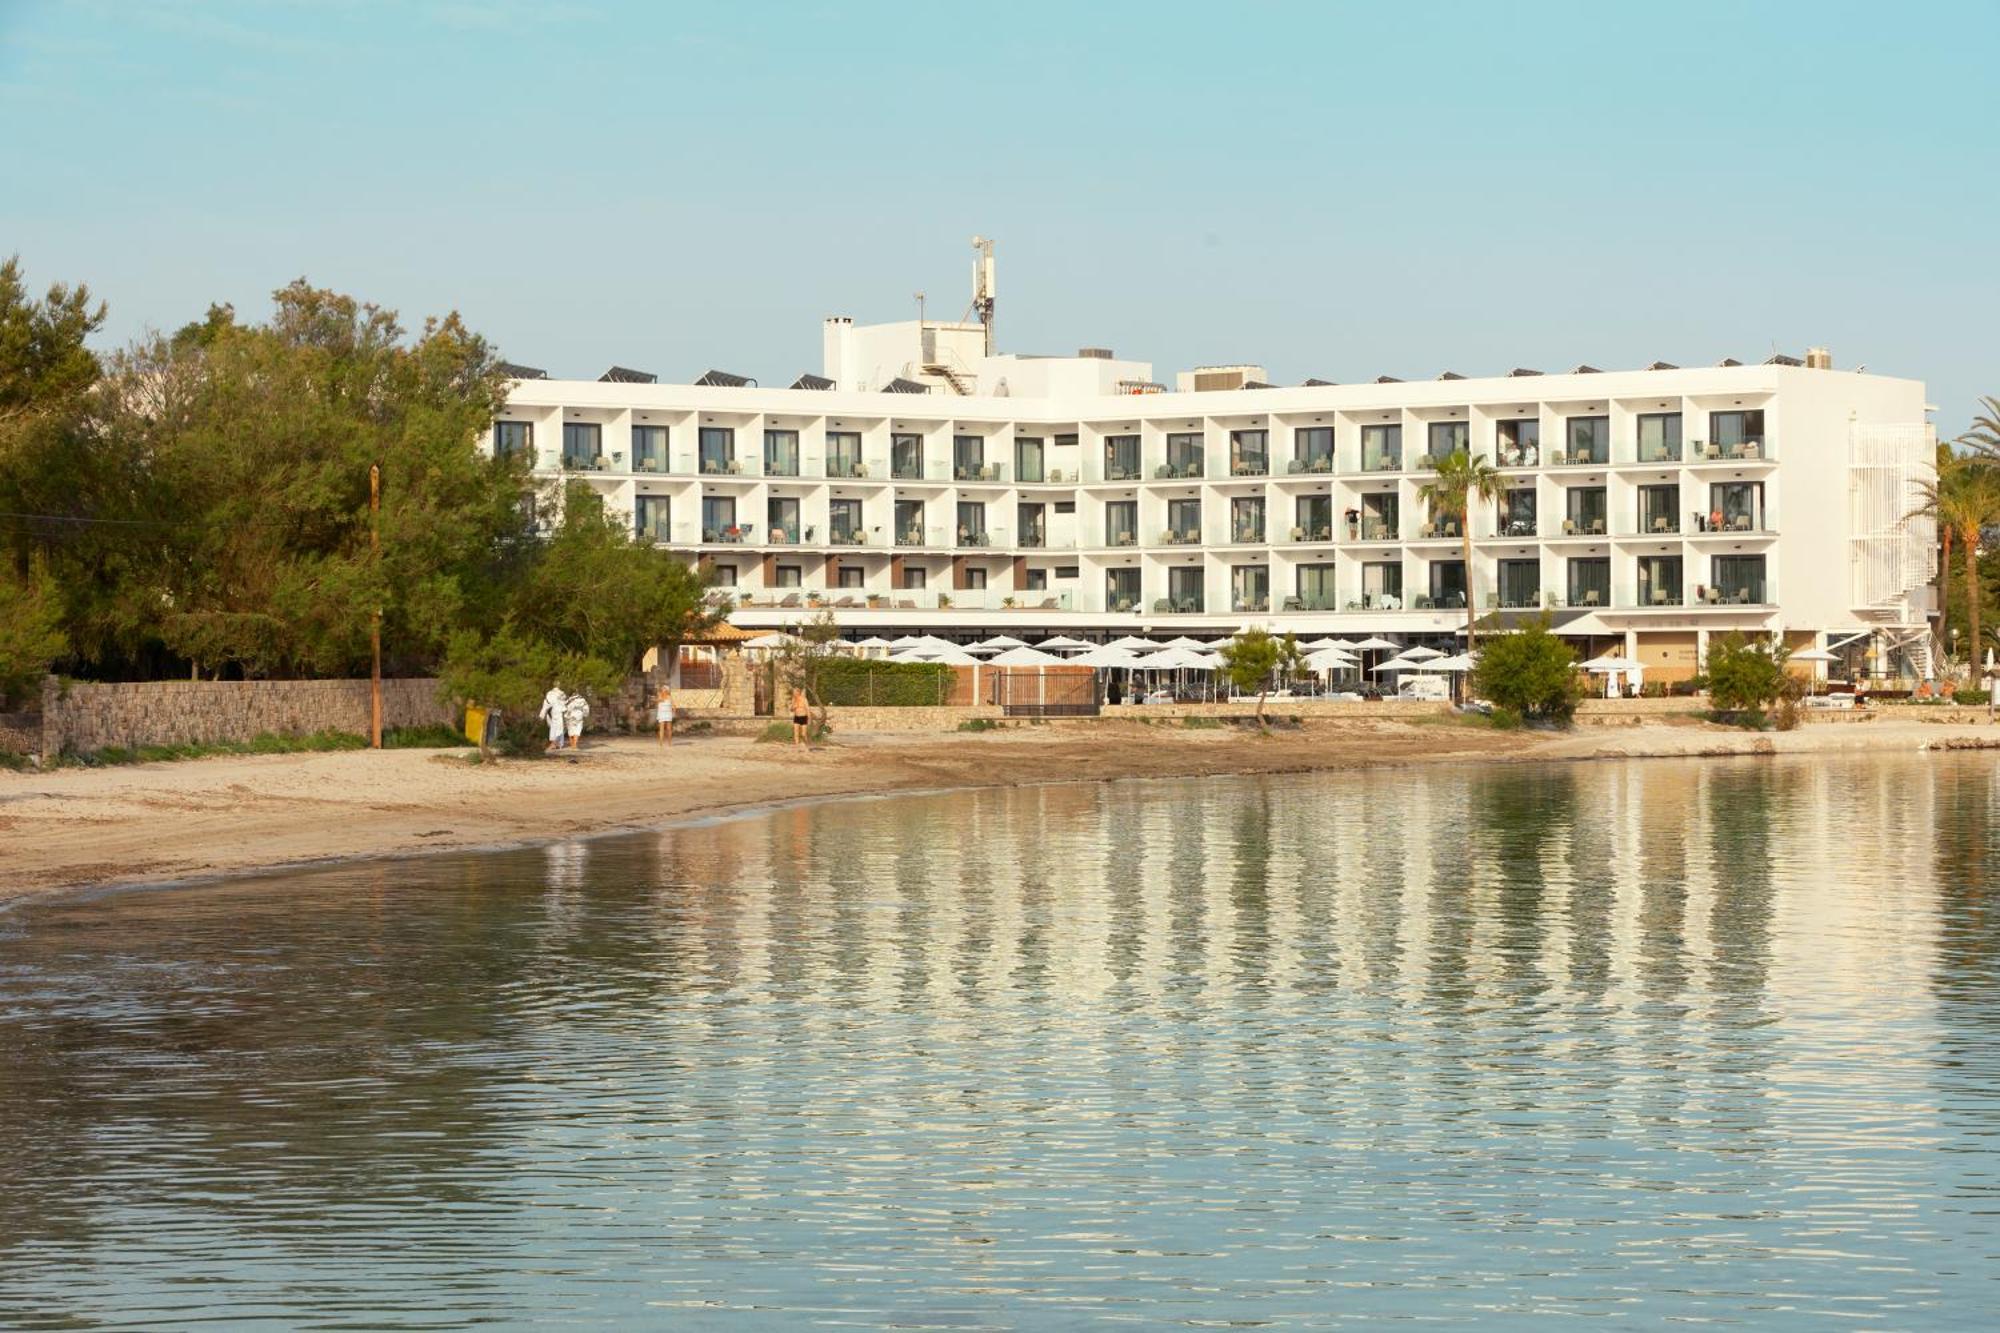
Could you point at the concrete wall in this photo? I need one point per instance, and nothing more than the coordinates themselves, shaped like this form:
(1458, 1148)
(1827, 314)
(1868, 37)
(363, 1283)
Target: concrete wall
(83, 718)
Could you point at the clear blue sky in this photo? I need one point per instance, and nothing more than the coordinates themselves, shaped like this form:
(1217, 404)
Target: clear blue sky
(1331, 189)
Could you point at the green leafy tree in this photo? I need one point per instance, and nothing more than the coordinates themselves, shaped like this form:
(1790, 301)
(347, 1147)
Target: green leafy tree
(1251, 659)
(510, 671)
(803, 661)
(1531, 672)
(30, 635)
(1744, 676)
(44, 365)
(1460, 477)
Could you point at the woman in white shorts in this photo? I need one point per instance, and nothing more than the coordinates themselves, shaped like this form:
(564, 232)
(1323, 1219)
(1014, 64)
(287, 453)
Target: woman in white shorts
(663, 713)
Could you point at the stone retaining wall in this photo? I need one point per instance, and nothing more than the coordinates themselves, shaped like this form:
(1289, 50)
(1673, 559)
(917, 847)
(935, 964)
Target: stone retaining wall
(83, 718)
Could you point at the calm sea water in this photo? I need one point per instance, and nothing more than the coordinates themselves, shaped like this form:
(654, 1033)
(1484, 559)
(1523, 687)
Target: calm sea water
(1510, 1047)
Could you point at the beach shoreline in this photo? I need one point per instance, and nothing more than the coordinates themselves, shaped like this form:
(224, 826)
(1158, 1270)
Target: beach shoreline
(165, 823)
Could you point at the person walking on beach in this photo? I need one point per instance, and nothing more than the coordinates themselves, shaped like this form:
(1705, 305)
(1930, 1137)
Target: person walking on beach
(554, 704)
(574, 714)
(663, 713)
(800, 716)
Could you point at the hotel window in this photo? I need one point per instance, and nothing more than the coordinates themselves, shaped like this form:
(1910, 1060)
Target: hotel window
(968, 457)
(1659, 580)
(1312, 449)
(843, 453)
(788, 577)
(1033, 521)
(1185, 588)
(1740, 578)
(1381, 448)
(1249, 453)
(1183, 455)
(1660, 437)
(1121, 589)
(781, 453)
(851, 578)
(1067, 572)
(649, 448)
(718, 519)
(1735, 506)
(910, 523)
(915, 576)
(1382, 584)
(650, 517)
(1446, 439)
(723, 576)
(1028, 460)
(906, 457)
(1587, 440)
(1250, 588)
(1517, 512)
(1121, 458)
(1590, 581)
(1121, 523)
(975, 580)
(1520, 583)
(1586, 511)
(1315, 519)
(1659, 510)
(971, 523)
(583, 444)
(1316, 588)
(1037, 580)
(781, 518)
(1246, 519)
(718, 449)
(514, 438)
(1520, 442)
(843, 520)
(1184, 521)
(1448, 583)
(1734, 434)
(1380, 519)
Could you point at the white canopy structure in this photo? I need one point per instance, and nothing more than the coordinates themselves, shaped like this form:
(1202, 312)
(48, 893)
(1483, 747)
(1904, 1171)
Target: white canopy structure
(775, 639)
(1104, 657)
(1609, 662)
(1397, 664)
(1173, 659)
(1183, 641)
(1331, 659)
(1373, 644)
(998, 643)
(873, 641)
(949, 654)
(1421, 654)
(1062, 643)
(1456, 662)
(1025, 656)
(1135, 644)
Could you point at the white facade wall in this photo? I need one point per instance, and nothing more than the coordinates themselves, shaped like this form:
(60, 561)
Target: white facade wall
(1805, 531)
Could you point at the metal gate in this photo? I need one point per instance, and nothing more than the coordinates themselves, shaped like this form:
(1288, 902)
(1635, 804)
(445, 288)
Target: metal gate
(1044, 691)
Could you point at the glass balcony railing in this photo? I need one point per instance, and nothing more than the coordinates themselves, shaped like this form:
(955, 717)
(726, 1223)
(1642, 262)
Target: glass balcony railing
(1318, 463)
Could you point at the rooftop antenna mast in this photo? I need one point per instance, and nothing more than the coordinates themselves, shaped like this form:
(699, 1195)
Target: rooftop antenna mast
(982, 286)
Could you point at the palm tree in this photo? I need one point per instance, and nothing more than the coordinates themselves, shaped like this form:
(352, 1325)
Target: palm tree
(1984, 437)
(1459, 478)
(1964, 499)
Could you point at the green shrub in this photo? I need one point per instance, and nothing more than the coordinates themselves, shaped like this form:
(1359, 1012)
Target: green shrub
(430, 736)
(1530, 672)
(13, 763)
(777, 733)
(979, 724)
(1976, 698)
(1744, 676)
(1751, 719)
(1194, 723)
(851, 682)
(1503, 718)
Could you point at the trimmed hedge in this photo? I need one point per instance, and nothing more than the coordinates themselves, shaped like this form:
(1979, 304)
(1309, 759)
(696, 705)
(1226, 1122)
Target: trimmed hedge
(846, 682)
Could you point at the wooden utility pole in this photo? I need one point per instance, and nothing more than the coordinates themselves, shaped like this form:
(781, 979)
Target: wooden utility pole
(375, 631)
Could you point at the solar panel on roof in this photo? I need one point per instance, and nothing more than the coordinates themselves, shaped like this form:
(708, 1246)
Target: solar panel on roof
(1318, 384)
(621, 375)
(722, 379)
(812, 381)
(900, 385)
(515, 372)
(1519, 371)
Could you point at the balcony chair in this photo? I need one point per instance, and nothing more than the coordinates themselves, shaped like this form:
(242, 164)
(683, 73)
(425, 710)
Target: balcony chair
(1162, 606)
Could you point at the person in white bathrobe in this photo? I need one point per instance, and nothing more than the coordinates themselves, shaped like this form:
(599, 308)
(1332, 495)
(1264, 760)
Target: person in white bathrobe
(554, 707)
(574, 714)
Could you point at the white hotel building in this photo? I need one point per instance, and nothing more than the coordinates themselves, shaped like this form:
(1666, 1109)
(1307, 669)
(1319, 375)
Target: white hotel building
(919, 484)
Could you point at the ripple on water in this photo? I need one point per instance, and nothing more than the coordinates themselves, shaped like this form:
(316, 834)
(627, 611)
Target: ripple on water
(1652, 1041)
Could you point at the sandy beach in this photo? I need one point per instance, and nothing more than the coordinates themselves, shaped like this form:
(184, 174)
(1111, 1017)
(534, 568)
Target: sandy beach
(149, 823)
